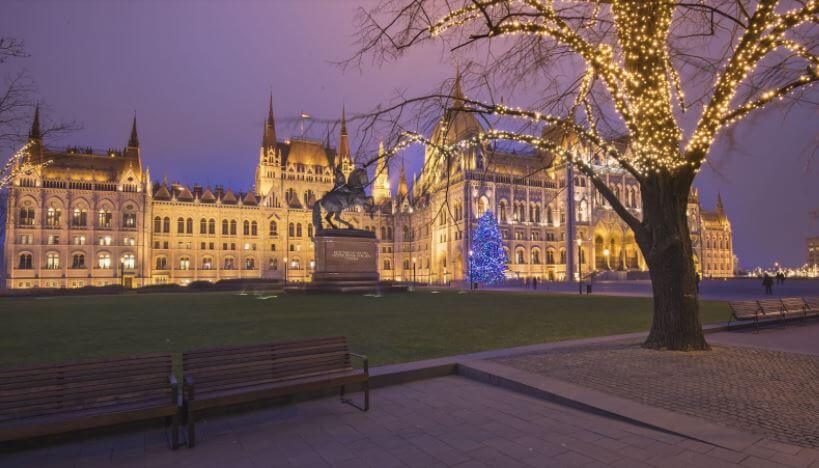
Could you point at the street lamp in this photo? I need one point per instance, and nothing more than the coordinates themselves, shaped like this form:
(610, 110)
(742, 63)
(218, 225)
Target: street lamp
(413, 271)
(285, 271)
(579, 268)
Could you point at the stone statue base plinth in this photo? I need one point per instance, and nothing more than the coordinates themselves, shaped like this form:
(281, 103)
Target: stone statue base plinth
(346, 261)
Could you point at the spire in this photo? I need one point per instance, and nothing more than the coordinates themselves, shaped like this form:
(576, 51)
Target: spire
(133, 141)
(35, 133)
(720, 208)
(457, 92)
(269, 135)
(403, 188)
(343, 141)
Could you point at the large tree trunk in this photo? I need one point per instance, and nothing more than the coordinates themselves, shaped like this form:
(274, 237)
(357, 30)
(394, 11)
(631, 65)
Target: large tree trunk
(668, 251)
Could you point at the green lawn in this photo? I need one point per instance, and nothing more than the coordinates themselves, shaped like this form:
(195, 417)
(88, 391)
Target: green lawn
(393, 328)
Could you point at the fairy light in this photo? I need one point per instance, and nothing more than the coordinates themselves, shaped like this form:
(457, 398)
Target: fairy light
(17, 164)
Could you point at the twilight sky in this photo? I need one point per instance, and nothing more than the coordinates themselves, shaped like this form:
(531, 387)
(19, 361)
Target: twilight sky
(197, 74)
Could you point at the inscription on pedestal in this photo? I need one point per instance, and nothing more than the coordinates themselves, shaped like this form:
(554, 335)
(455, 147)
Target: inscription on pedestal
(346, 256)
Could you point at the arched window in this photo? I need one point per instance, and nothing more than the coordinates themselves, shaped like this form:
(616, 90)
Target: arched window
(207, 263)
(78, 261)
(246, 227)
(550, 220)
(298, 229)
(211, 226)
(161, 263)
(232, 227)
(166, 225)
(157, 224)
(25, 262)
(405, 232)
(502, 211)
(310, 230)
(180, 225)
(535, 256)
(406, 265)
(389, 233)
(225, 228)
(383, 232)
(291, 230)
(483, 202)
(184, 263)
(520, 258)
(203, 226)
(562, 256)
(189, 225)
(104, 217)
(129, 218)
(229, 264)
(250, 263)
(550, 257)
(273, 228)
(27, 214)
(537, 214)
(79, 217)
(274, 264)
(387, 264)
(129, 261)
(104, 261)
(53, 215)
(254, 228)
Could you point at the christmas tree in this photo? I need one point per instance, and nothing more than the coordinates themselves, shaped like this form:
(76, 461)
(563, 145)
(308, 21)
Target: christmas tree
(487, 259)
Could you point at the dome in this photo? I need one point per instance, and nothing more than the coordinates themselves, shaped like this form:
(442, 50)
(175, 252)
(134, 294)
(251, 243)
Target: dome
(308, 153)
(455, 126)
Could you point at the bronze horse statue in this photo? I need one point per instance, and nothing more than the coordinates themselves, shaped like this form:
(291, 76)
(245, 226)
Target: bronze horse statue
(342, 196)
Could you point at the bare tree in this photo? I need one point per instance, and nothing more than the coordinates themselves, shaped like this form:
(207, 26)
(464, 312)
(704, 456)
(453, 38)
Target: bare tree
(668, 76)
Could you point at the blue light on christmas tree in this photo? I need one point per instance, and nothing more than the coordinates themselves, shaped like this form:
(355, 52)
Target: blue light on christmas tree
(487, 260)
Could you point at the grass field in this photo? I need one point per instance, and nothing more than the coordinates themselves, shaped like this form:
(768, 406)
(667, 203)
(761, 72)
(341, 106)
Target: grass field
(390, 329)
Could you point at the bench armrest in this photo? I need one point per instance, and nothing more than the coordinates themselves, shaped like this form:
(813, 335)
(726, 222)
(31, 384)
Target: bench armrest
(174, 388)
(364, 359)
(188, 387)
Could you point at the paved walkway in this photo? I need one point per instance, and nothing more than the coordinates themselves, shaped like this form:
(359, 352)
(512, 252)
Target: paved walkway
(450, 421)
(767, 392)
(794, 338)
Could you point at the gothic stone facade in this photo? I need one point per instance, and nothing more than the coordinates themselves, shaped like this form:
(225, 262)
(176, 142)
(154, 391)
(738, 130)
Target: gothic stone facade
(96, 218)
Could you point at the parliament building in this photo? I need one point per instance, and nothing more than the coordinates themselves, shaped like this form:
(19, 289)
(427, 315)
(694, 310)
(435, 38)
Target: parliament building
(91, 218)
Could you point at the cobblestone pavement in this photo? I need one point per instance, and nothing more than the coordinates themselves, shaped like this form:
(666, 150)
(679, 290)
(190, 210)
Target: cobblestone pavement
(767, 392)
(450, 421)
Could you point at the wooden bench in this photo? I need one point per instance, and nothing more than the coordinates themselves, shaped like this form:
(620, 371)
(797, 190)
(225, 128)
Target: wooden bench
(795, 306)
(57, 398)
(812, 304)
(229, 376)
(745, 310)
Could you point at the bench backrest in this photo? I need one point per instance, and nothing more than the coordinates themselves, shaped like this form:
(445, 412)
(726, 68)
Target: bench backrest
(771, 306)
(812, 302)
(793, 304)
(240, 366)
(94, 385)
(744, 309)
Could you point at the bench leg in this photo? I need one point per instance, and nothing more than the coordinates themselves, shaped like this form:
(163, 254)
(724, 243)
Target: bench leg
(191, 428)
(175, 431)
(341, 393)
(365, 387)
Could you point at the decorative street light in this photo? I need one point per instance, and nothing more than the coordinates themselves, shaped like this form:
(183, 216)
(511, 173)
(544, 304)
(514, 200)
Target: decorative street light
(285, 271)
(413, 271)
(579, 268)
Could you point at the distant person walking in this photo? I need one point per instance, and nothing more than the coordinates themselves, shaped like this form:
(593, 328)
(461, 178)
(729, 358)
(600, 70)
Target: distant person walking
(767, 281)
(698, 278)
(534, 284)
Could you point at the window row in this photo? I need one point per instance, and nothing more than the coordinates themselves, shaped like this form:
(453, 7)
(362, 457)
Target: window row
(79, 218)
(53, 261)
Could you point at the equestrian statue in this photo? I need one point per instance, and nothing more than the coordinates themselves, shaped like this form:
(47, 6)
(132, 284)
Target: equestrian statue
(343, 195)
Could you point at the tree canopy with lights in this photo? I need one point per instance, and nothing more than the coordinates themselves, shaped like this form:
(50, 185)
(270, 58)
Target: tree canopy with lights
(668, 77)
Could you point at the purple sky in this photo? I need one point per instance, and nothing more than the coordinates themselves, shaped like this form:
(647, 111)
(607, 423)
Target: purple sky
(198, 73)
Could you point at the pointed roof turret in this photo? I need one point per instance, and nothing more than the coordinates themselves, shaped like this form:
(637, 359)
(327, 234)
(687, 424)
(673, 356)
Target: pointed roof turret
(720, 208)
(207, 196)
(133, 141)
(162, 193)
(250, 199)
(229, 198)
(403, 188)
(457, 92)
(343, 141)
(35, 133)
(269, 135)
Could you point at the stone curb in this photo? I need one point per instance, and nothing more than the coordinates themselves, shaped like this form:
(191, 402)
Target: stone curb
(597, 402)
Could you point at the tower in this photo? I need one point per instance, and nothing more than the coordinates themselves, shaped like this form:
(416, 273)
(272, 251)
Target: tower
(381, 186)
(132, 154)
(267, 172)
(35, 138)
(344, 159)
(403, 188)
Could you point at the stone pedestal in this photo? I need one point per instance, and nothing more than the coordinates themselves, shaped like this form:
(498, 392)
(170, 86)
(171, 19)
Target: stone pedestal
(346, 261)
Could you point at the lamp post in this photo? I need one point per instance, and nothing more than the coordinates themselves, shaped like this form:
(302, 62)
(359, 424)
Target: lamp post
(413, 271)
(285, 271)
(579, 268)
